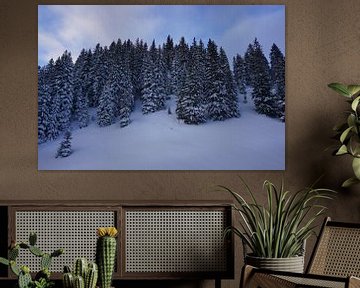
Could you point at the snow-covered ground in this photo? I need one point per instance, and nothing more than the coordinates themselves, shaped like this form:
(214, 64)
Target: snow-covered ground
(159, 141)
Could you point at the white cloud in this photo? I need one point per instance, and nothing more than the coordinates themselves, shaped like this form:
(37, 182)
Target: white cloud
(74, 27)
(80, 26)
(268, 28)
(49, 47)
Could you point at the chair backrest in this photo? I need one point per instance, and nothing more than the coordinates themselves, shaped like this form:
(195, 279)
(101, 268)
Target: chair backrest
(337, 251)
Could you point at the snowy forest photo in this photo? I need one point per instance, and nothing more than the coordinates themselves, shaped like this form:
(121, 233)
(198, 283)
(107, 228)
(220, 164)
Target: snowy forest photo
(132, 88)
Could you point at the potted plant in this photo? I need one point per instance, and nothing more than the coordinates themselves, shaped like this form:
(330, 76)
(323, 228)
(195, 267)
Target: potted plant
(42, 278)
(348, 133)
(275, 233)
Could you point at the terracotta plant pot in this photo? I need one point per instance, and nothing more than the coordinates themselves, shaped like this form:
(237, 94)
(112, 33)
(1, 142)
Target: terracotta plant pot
(291, 264)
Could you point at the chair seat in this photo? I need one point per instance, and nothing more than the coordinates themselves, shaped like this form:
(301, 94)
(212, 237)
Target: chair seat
(314, 282)
(335, 262)
(267, 279)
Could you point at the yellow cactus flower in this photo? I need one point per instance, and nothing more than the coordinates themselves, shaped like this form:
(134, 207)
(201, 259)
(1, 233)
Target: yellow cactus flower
(106, 231)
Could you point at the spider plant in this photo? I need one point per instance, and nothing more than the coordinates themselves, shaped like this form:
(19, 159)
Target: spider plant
(279, 229)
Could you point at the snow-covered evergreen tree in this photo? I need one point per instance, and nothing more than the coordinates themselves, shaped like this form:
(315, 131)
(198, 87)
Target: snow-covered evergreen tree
(52, 129)
(249, 64)
(63, 90)
(263, 99)
(136, 75)
(65, 149)
(117, 98)
(189, 105)
(45, 117)
(99, 72)
(80, 100)
(216, 90)
(179, 66)
(124, 98)
(88, 76)
(153, 93)
(105, 110)
(277, 61)
(231, 96)
(239, 75)
(168, 59)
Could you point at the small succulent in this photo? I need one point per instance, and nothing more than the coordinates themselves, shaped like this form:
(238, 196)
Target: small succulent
(43, 283)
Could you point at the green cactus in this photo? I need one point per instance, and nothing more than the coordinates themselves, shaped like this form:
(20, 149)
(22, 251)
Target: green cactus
(87, 272)
(13, 253)
(14, 268)
(68, 280)
(91, 276)
(4, 261)
(24, 280)
(57, 252)
(36, 251)
(80, 267)
(105, 258)
(45, 261)
(42, 278)
(79, 282)
(32, 238)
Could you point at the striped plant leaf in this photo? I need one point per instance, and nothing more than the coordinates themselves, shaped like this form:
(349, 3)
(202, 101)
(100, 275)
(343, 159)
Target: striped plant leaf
(279, 228)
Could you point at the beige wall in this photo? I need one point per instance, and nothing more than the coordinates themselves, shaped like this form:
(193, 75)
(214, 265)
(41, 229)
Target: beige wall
(322, 46)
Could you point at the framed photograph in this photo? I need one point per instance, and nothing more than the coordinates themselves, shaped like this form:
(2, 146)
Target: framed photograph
(161, 87)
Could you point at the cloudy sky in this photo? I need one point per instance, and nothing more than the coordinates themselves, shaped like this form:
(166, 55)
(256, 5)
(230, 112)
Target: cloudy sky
(233, 27)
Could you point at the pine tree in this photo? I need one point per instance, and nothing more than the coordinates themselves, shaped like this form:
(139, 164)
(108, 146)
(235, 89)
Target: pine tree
(263, 100)
(231, 96)
(249, 65)
(45, 118)
(65, 146)
(277, 61)
(105, 110)
(168, 59)
(216, 98)
(136, 75)
(80, 99)
(239, 75)
(189, 105)
(99, 72)
(179, 66)
(153, 96)
(124, 98)
(63, 90)
(52, 130)
(88, 76)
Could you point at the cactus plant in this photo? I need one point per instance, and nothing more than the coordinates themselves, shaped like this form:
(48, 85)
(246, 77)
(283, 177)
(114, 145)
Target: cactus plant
(42, 278)
(68, 280)
(24, 277)
(105, 254)
(91, 276)
(84, 274)
(79, 282)
(80, 268)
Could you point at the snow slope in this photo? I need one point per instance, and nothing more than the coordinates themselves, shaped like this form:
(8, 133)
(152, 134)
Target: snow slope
(159, 141)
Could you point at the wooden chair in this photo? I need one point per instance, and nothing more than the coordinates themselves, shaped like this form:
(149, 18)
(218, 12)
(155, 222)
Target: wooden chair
(335, 262)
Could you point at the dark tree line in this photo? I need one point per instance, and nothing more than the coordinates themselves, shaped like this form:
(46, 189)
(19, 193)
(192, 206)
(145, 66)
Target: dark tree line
(110, 79)
(266, 80)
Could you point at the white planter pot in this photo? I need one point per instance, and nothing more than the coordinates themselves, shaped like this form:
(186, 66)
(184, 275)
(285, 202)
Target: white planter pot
(291, 264)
